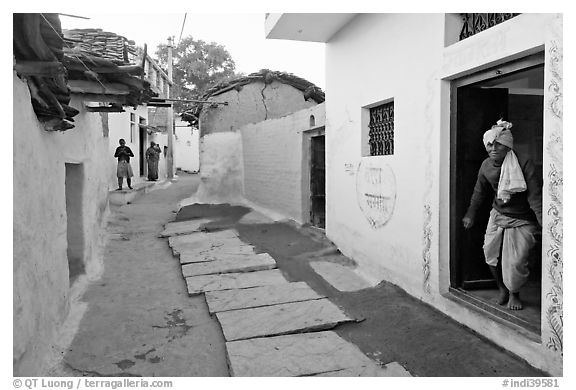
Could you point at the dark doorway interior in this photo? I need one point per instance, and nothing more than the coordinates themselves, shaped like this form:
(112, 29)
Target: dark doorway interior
(74, 232)
(516, 96)
(142, 148)
(318, 182)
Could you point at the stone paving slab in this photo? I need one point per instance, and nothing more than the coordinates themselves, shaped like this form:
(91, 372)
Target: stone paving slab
(340, 277)
(184, 227)
(281, 319)
(219, 301)
(201, 236)
(194, 257)
(260, 262)
(217, 282)
(318, 353)
(229, 246)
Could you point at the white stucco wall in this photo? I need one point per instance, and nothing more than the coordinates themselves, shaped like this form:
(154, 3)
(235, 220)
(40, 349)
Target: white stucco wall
(186, 147)
(412, 66)
(274, 166)
(119, 125)
(40, 266)
(219, 128)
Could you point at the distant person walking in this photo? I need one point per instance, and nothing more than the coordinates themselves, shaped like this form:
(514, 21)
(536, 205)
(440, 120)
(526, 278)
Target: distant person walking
(152, 157)
(123, 153)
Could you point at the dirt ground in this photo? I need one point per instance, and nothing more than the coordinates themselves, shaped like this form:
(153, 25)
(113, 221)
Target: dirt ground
(396, 326)
(140, 321)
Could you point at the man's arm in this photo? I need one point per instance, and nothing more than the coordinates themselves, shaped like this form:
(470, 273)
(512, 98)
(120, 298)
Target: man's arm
(534, 189)
(478, 197)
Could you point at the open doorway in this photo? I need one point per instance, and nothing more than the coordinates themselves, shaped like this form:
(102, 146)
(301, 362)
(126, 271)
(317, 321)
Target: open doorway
(74, 183)
(514, 92)
(318, 181)
(142, 146)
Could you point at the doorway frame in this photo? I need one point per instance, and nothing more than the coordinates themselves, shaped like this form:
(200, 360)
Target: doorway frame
(307, 136)
(521, 64)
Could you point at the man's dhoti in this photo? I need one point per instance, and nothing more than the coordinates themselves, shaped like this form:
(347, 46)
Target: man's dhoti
(516, 238)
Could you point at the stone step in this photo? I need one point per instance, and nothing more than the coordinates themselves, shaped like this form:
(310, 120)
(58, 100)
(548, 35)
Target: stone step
(259, 262)
(194, 257)
(218, 282)
(219, 301)
(225, 246)
(201, 236)
(281, 319)
(307, 354)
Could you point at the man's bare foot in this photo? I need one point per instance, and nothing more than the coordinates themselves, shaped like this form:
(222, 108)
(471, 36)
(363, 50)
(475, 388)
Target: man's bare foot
(503, 297)
(514, 303)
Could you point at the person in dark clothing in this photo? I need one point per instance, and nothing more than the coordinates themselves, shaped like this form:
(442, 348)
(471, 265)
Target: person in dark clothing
(152, 157)
(123, 153)
(516, 214)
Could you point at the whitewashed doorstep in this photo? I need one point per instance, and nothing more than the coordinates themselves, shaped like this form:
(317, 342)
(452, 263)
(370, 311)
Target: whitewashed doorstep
(318, 353)
(281, 319)
(219, 301)
(195, 257)
(217, 282)
(262, 262)
(340, 277)
(183, 227)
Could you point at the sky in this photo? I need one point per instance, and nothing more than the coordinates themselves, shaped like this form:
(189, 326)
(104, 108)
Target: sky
(242, 34)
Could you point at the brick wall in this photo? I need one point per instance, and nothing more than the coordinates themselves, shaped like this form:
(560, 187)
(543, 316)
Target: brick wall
(273, 162)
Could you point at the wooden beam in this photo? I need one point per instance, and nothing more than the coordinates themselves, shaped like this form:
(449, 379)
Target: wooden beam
(90, 97)
(39, 68)
(93, 87)
(104, 109)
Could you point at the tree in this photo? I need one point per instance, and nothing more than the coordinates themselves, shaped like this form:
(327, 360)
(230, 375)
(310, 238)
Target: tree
(196, 66)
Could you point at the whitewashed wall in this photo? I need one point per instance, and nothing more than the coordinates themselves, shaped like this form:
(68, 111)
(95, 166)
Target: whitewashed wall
(119, 125)
(391, 59)
(274, 162)
(220, 158)
(186, 147)
(40, 266)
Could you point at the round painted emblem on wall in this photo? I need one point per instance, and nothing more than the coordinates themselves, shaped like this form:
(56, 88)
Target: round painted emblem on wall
(376, 191)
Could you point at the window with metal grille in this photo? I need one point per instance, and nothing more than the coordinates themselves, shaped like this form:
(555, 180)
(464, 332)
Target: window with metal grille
(381, 130)
(475, 23)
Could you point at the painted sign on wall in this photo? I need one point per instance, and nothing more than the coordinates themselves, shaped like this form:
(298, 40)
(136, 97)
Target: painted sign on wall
(376, 192)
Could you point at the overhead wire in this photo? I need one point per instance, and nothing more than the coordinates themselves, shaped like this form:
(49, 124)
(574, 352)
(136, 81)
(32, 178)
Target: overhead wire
(71, 48)
(182, 30)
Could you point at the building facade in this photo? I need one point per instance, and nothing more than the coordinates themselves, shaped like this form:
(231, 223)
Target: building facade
(62, 113)
(235, 103)
(409, 98)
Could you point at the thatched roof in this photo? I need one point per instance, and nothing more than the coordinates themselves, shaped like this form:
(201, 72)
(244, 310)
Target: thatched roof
(310, 91)
(91, 62)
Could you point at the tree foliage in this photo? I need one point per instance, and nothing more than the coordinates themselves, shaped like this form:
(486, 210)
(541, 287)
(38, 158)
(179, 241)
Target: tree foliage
(196, 66)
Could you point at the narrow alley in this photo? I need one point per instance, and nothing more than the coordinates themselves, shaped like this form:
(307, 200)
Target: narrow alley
(141, 321)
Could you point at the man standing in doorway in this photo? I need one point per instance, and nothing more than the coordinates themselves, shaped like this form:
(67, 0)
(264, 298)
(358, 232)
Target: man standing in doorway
(152, 157)
(123, 153)
(516, 212)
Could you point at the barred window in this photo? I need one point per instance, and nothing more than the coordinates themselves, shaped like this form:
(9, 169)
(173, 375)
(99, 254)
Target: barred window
(474, 23)
(381, 129)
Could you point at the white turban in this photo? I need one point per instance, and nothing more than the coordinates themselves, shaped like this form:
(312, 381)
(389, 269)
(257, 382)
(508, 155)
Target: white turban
(500, 133)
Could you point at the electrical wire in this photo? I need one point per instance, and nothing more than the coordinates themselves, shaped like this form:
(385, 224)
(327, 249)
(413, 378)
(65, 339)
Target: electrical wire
(71, 48)
(182, 30)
